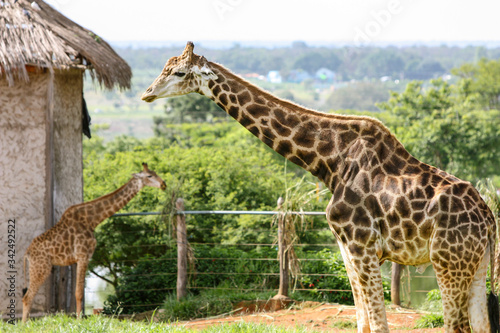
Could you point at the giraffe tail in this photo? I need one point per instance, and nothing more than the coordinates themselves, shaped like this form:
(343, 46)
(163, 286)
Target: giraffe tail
(493, 306)
(25, 289)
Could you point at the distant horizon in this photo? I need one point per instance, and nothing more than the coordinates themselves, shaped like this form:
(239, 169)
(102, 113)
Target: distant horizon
(279, 22)
(226, 44)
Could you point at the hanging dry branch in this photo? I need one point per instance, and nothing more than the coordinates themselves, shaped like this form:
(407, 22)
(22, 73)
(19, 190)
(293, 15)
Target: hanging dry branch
(298, 198)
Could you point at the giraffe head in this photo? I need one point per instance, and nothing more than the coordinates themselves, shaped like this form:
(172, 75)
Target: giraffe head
(150, 178)
(181, 75)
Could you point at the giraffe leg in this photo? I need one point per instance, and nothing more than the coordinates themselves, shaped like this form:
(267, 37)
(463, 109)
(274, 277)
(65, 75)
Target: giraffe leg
(455, 302)
(368, 279)
(38, 273)
(81, 269)
(478, 308)
(361, 311)
(455, 272)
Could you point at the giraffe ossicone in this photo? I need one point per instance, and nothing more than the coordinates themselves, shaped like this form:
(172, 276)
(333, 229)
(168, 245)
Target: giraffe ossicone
(71, 240)
(386, 204)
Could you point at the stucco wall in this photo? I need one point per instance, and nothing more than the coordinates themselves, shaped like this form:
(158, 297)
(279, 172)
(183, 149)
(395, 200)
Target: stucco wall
(67, 167)
(67, 131)
(23, 175)
(40, 167)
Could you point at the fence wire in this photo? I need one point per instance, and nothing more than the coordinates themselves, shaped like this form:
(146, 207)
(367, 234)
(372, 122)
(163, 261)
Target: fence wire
(236, 212)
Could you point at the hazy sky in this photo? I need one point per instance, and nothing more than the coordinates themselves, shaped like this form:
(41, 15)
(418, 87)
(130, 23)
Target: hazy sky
(287, 20)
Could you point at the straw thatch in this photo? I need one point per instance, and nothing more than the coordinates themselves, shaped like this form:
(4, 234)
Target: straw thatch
(32, 33)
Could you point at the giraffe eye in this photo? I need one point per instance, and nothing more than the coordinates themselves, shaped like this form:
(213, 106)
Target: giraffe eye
(179, 74)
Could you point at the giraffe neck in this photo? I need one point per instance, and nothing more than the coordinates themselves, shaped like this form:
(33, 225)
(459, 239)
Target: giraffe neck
(316, 141)
(103, 207)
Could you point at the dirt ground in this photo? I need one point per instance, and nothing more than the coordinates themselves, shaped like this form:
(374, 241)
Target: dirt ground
(316, 316)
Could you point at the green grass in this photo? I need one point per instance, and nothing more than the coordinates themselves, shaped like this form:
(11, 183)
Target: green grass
(195, 307)
(208, 304)
(345, 324)
(97, 324)
(432, 320)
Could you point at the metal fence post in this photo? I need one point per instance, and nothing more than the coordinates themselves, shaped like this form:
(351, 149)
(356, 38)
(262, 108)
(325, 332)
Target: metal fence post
(181, 251)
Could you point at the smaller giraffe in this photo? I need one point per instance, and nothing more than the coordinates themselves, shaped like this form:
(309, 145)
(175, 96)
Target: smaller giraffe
(72, 239)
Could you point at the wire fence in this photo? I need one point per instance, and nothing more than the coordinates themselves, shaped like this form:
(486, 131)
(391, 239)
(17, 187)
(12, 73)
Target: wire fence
(200, 274)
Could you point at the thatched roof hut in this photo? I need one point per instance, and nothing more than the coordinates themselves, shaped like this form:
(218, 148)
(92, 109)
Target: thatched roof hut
(33, 33)
(43, 58)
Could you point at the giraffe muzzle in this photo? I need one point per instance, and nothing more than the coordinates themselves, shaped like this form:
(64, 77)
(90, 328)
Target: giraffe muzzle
(149, 98)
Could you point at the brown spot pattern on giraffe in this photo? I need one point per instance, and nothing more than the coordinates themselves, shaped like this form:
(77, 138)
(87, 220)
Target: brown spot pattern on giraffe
(72, 240)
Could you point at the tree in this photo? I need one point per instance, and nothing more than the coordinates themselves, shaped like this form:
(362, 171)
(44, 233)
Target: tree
(485, 81)
(381, 63)
(420, 70)
(358, 96)
(312, 61)
(441, 125)
(190, 108)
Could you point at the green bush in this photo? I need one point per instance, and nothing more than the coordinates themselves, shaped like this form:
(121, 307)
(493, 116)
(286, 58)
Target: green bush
(146, 283)
(433, 302)
(432, 320)
(208, 178)
(153, 279)
(331, 264)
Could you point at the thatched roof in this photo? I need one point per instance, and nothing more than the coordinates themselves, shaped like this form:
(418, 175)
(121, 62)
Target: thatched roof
(34, 33)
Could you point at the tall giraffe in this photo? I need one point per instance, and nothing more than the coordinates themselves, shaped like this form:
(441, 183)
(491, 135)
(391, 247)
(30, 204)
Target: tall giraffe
(72, 239)
(386, 205)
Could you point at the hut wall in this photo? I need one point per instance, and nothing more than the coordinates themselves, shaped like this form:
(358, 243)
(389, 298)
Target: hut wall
(67, 170)
(67, 129)
(40, 168)
(23, 175)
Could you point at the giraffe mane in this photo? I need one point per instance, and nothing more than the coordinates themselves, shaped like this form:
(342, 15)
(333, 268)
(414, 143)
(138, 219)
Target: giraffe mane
(91, 202)
(294, 106)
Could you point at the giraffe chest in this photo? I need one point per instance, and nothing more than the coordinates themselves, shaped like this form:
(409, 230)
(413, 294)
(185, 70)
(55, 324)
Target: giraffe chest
(392, 225)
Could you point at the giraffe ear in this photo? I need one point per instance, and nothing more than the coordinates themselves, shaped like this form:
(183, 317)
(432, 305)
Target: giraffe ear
(208, 73)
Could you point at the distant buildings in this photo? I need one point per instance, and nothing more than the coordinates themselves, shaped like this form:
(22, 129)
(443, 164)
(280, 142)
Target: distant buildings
(298, 76)
(274, 77)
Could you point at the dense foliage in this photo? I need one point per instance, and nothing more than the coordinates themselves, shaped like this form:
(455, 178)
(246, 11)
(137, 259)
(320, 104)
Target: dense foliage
(443, 125)
(483, 80)
(214, 170)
